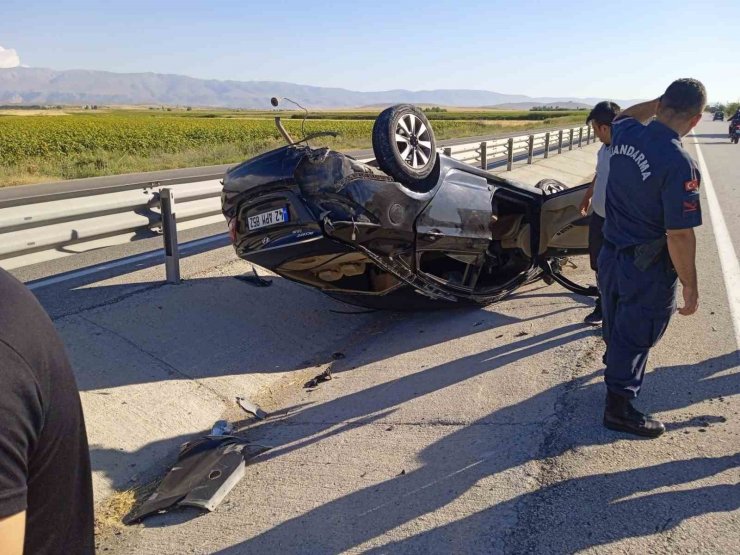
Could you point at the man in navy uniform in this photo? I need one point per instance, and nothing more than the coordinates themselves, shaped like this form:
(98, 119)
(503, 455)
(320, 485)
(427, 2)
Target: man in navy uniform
(652, 206)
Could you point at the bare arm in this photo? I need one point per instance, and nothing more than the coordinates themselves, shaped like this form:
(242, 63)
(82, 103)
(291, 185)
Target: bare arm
(586, 202)
(682, 248)
(642, 111)
(12, 534)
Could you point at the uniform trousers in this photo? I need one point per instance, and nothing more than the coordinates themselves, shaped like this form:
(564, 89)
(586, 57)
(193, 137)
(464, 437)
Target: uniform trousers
(637, 307)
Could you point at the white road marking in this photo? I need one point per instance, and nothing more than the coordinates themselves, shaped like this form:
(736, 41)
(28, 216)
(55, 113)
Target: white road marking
(122, 262)
(727, 256)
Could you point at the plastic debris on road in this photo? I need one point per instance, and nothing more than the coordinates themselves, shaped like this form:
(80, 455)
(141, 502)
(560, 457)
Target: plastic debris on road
(222, 428)
(254, 279)
(251, 407)
(207, 469)
(325, 376)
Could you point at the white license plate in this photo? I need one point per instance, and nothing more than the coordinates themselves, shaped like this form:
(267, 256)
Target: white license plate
(264, 219)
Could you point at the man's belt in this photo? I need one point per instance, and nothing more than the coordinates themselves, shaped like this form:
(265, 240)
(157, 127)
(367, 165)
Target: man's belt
(644, 254)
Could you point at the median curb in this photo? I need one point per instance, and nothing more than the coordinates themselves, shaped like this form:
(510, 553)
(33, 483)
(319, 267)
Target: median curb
(573, 167)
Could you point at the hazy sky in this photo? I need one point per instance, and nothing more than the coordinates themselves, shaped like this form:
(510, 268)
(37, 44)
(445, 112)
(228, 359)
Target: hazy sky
(568, 48)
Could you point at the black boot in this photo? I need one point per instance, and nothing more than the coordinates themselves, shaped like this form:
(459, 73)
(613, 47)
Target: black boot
(620, 415)
(596, 317)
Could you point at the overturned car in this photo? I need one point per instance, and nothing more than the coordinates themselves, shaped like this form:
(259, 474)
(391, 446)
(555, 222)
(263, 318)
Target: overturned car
(413, 229)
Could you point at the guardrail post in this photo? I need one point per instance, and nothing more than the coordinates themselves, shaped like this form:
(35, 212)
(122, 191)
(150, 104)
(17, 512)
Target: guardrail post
(588, 135)
(483, 156)
(169, 233)
(510, 154)
(580, 137)
(570, 140)
(560, 141)
(530, 149)
(447, 151)
(547, 144)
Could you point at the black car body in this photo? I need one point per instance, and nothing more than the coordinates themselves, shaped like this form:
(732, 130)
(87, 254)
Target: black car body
(460, 235)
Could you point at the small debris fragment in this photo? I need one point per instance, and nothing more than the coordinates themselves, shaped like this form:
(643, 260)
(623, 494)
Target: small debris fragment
(222, 428)
(254, 279)
(338, 355)
(521, 334)
(477, 324)
(402, 472)
(389, 429)
(325, 376)
(251, 407)
(499, 336)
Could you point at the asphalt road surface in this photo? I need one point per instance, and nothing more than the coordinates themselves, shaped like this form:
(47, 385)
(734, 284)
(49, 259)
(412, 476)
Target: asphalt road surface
(478, 431)
(723, 161)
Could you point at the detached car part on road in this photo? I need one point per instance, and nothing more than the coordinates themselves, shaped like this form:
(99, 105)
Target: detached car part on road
(207, 469)
(414, 229)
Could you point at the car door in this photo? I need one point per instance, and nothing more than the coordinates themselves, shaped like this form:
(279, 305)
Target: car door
(562, 227)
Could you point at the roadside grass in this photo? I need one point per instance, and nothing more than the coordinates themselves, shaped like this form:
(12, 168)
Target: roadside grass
(38, 148)
(109, 514)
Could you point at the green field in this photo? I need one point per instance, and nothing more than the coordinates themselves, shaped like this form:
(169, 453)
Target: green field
(53, 145)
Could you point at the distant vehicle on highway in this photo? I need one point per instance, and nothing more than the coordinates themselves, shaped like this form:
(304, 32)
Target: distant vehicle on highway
(415, 229)
(735, 131)
(718, 116)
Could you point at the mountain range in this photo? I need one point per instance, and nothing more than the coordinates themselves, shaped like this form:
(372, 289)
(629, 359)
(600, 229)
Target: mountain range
(37, 86)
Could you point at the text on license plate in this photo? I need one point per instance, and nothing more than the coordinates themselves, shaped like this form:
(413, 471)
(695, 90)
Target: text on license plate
(268, 218)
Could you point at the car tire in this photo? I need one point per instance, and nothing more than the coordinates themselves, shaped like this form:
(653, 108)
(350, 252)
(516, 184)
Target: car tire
(404, 145)
(551, 186)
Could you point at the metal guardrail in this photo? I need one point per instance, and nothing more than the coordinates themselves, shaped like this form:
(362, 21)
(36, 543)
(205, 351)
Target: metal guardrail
(487, 153)
(37, 228)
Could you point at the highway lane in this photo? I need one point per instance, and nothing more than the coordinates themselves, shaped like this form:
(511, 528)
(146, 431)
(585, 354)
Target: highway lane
(723, 161)
(719, 165)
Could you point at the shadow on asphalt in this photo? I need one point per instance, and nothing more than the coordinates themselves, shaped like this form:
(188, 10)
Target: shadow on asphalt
(712, 135)
(212, 327)
(725, 138)
(459, 461)
(578, 514)
(560, 517)
(209, 328)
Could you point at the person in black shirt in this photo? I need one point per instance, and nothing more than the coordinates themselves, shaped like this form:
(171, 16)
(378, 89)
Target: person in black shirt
(46, 502)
